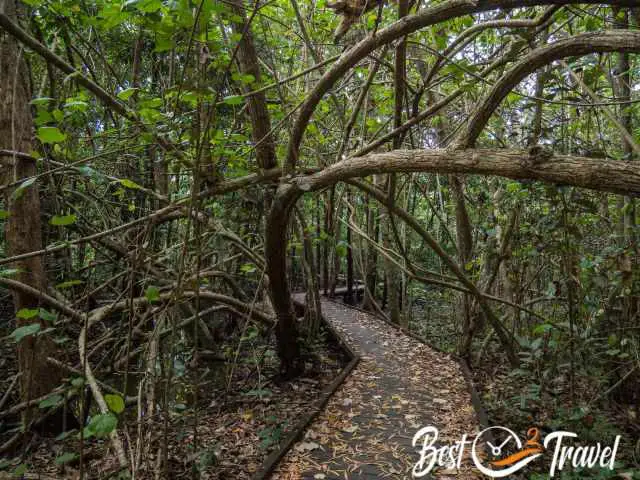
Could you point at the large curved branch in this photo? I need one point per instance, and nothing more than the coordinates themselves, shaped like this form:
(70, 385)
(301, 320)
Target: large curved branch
(168, 213)
(594, 173)
(100, 313)
(467, 36)
(599, 174)
(505, 337)
(586, 43)
(62, 307)
(409, 24)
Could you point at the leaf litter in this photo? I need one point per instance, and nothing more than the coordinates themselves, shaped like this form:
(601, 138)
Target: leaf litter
(367, 427)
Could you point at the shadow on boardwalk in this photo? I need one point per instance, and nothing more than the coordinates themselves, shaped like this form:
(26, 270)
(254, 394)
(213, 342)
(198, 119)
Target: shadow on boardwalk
(366, 429)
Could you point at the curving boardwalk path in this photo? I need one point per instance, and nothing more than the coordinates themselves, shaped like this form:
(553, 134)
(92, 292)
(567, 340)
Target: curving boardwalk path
(399, 386)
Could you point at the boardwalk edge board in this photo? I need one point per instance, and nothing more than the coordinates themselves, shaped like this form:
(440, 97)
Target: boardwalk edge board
(299, 429)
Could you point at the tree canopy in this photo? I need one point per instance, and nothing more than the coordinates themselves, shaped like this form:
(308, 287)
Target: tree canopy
(173, 171)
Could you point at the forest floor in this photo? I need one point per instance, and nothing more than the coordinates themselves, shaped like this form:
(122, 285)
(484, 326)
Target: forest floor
(518, 400)
(399, 386)
(243, 410)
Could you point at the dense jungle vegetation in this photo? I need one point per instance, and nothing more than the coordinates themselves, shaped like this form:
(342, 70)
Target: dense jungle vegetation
(173, 171)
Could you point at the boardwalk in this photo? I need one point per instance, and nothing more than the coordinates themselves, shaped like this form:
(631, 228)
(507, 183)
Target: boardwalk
(400, 385)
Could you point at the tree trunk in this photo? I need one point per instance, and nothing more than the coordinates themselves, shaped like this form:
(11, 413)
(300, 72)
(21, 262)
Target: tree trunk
(349, 297)
(370, 256)
(260, 119)
(622, 89)
(23, 227)
(314, 308)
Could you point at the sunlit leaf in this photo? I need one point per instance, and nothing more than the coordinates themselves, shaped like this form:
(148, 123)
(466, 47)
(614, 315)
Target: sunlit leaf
(50, 135)
(152, 294)
(27, 313)
(126, 93)
(125, 182)
(63, 220)
(234, 100)
(68, 284)
(115, 403)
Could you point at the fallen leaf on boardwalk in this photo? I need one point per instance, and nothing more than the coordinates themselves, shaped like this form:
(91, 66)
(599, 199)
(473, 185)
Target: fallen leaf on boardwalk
(306, 446)
(248, 415)
(398, 386)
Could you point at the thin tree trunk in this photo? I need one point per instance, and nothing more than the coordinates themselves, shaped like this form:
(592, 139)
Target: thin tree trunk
(286, 328)
(260, 119)
(313, 310)
(621, 82)
(349, 298)
(370, 256)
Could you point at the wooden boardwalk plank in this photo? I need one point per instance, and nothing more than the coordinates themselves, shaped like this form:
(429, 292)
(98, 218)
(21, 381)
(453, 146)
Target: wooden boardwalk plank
(366, 430)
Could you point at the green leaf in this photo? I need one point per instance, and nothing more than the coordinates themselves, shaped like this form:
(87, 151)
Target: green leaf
(146, 6)
(47, 316)
(9, 272)
(115, 403)
(101, 425)
(68, 284)
(77, 382)
(58, 115)
(50, 135)
(126, 93)
(163, 44)
(125, 182)
(247, 79)
(4, 214)
(78, 105)
(152, 293)
(87, 171)
(50, 401)
(543, 328)
(19, 333)
(27, 313)
(248, 268)
(63, 220)
(234, 100)
(17, 193)
(20, 470)
(65, 458)
(41, 101)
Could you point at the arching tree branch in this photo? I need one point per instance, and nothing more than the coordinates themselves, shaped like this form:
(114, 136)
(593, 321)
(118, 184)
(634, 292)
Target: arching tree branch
(404, 26)
(592, 42)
